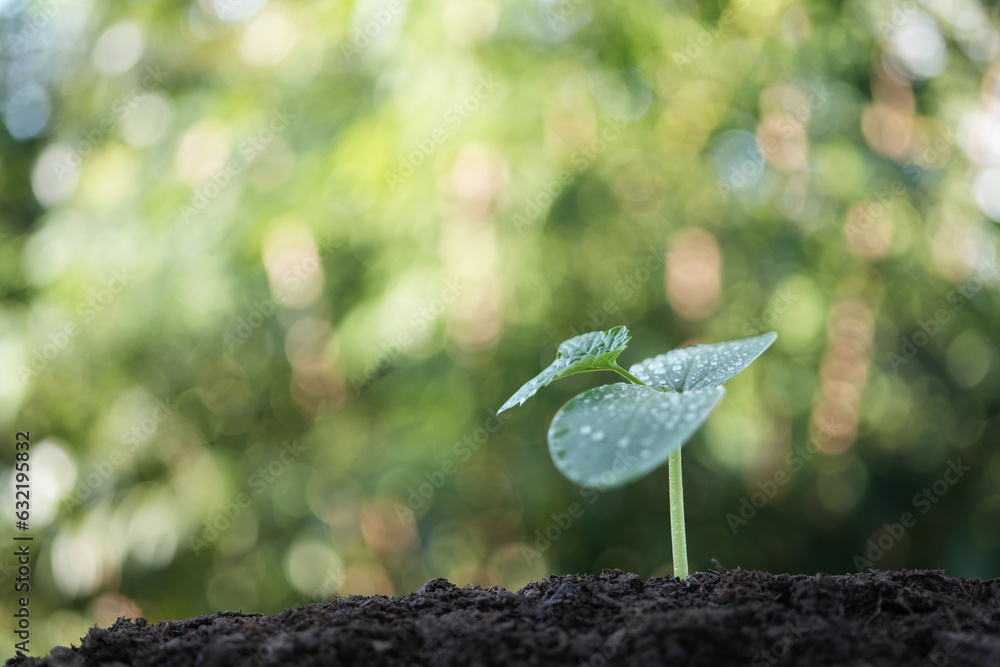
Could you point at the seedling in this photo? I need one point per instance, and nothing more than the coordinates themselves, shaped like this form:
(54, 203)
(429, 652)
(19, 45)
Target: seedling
(613, 435)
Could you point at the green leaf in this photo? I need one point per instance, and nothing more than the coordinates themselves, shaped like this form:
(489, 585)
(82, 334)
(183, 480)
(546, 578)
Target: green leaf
(595, 351)
(701, 366)
(615, 434)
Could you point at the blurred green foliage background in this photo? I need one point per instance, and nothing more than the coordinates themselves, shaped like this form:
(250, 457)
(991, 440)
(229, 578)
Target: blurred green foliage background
(269, 268)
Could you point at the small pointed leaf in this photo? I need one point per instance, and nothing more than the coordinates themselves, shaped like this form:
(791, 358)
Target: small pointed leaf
(593, 351)
(613, 435)
(701, 366)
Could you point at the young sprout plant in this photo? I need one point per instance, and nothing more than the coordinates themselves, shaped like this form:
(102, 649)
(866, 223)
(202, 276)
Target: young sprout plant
(613, 435)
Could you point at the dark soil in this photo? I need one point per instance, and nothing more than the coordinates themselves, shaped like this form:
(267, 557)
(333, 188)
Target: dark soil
(712, 618)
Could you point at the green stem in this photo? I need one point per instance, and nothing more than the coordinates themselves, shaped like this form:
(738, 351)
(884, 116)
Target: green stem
(628, 376)
(678, 536)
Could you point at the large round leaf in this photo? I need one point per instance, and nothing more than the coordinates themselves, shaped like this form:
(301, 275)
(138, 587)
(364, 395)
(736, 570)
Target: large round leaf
(615, 434)
(701, 366)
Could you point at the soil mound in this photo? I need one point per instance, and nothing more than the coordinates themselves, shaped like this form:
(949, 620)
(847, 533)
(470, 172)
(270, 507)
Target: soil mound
(712, 619)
